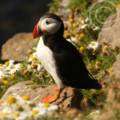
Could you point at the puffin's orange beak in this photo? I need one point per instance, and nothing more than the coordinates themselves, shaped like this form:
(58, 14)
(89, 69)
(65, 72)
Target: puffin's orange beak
(36, 31)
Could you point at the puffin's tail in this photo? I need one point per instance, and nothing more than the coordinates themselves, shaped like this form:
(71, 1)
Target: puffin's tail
(93, 83)
(89, 82)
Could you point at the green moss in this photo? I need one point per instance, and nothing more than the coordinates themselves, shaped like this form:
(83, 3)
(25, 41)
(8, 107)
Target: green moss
(98, 13)
(106, 61)
(54, 6)
(78, 4)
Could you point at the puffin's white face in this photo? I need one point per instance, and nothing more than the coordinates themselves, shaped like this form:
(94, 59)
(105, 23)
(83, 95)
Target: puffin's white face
(49, 25)
(46, 25)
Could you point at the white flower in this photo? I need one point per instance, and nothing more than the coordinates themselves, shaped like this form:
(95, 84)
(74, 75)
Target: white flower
(53, 108)
(82, 21)
(9, 68)
(28, 67)
(47, 108)
(32, 57)
(11, 62)
(11, 110)
(23, 116)
(6, 109)
(15, 68)
(18, 66)
(96, 28)
(39, 67)
(73, 39)
(43, 112)
(87, 19)
(93, 46)
(83, 26)
(95, 112)
(1, 74)
(94, 115)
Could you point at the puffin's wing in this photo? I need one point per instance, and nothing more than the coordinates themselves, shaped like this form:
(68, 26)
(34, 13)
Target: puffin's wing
(72, 69)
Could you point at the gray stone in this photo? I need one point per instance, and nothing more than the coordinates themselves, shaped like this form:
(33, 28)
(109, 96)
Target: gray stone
(18, 47)
(115, 71)
(25, 88)
(110, 32)
(68, 98)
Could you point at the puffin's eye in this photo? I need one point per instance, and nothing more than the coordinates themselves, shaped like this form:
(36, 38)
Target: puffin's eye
(47, 22)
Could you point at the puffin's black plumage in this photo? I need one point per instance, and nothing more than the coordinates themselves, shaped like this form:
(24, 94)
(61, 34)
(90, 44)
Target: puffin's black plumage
(69, 64)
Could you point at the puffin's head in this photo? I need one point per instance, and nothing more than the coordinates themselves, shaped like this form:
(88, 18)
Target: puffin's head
(49, 24)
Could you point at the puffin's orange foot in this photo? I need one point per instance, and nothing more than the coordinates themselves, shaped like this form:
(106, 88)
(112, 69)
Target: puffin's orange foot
(49, 99)
(53, 97)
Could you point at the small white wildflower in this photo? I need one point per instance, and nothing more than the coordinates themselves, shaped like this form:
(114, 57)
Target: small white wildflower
(96, 28)
(28, 67)
(32, 57)
(23, 103)
(1, 74)
(87, 19)
(36, 111)
(11, 63)
(43, 112)
(82, 21)
(47, 108)
(23, 115)
(12, 71)
(39, 67)
(94, 115)
(53, 108)
(9, 68)
(41, 108)
(35, 55)
(83, 26)
(93, 46)
(18, 66)
(6, 109)
(15, 68)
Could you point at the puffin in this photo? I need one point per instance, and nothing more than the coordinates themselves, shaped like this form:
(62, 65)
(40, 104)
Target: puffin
(60, 58)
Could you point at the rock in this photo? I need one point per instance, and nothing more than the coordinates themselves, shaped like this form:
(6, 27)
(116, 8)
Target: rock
(115, 70)
(24, 88)
(18, 47)
(110, 32)
(112, 77)
(69, 98)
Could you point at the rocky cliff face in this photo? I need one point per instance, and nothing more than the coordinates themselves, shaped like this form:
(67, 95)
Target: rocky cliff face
(110, 32)
(19, 47)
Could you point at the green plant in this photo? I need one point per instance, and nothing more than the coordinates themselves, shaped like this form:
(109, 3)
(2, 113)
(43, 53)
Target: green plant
(54, 6)
(99, 12)
(79, 4)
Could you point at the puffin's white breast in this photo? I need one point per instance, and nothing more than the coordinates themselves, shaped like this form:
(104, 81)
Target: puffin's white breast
(45, 55)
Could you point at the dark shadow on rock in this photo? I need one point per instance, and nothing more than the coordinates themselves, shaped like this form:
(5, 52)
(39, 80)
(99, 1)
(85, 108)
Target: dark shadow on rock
(77, 100)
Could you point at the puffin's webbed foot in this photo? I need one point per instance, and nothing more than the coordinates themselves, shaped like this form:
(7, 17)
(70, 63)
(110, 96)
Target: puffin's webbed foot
(52, 98)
